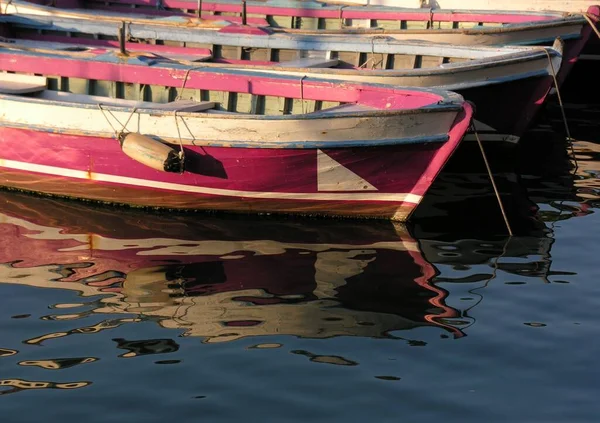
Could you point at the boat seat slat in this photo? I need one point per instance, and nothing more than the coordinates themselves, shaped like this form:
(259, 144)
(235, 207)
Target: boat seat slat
(350, 107)
(189, 58)
(11, 83)
(180, 105)
(309, 63)
(177, 105)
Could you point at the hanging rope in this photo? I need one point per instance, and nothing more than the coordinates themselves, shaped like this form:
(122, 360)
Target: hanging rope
(590, 18)
(562, 108)
(378, 37)
(185, 78)
(341, 17)
(302, 93)
(181, 150)
(489, 171)
(118, 134)
(8, 3)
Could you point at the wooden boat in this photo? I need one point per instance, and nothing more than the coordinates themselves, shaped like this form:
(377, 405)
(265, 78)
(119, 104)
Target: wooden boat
(590, 7)
(507, 84)
(305, 17)
(309, 19)
(230, 140)
(573, 6)
(223, 279)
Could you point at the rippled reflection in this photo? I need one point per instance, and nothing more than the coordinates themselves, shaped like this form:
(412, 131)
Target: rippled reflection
(220, 279)
(11, 386)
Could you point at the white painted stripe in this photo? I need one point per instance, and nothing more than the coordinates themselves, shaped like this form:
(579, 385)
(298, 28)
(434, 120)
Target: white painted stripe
(332, 176)
(495, 138)
(480, 126)
(80, 174)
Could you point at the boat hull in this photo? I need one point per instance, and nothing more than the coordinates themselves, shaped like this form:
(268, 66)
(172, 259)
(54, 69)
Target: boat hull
(505, 111)
(386, 182)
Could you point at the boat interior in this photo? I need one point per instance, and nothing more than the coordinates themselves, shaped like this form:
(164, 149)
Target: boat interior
(114, 94)
(411, 55)
(166, 99)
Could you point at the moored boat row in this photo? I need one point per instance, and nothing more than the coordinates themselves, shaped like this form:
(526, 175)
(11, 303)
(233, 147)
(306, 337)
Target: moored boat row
(271, 108)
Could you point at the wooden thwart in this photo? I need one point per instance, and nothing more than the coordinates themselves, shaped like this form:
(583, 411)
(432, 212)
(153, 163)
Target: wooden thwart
(309, 63)
(177, 105)
(11, 83)
(351, 107)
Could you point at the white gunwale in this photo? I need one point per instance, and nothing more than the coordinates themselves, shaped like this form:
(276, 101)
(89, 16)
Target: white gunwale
(480, 65)
(573, 6)
(555, 19)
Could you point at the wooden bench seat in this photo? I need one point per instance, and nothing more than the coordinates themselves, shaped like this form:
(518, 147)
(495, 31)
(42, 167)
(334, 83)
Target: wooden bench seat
(12, 83)
(309, 63)
(177, 105)
(350, 107)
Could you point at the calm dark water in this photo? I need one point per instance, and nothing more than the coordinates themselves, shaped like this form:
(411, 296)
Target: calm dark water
(113, 316)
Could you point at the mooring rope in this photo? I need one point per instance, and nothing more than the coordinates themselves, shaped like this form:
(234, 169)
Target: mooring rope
(302, 93)
(185, 79)
(341, 17)
(562, 108)
(590, 18)
(8, 3)
(181, 150)
(489, 171)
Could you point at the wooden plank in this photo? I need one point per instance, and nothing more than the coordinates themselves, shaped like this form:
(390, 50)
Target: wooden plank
(309, 63)
(12, 83)
(179, 57)
(350, 107)
(177, 105)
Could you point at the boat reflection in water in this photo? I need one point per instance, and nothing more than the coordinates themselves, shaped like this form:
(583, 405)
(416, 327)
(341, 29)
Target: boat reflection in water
(224, 278)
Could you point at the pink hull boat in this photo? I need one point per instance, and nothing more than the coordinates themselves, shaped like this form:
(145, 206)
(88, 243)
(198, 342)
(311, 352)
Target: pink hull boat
(231, 141)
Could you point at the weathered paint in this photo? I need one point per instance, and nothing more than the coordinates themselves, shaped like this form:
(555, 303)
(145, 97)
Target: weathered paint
(523, 75)
(502, 28)
(220, 178)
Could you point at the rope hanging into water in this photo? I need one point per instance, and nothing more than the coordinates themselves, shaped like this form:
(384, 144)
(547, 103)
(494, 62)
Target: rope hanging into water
(562, 108)
(489, 171)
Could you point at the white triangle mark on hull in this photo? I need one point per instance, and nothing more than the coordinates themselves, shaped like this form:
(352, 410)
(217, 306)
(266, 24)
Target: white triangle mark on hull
(490, 134)
(332, 176)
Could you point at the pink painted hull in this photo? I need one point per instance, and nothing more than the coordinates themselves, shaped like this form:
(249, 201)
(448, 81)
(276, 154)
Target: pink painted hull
(229, 179)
